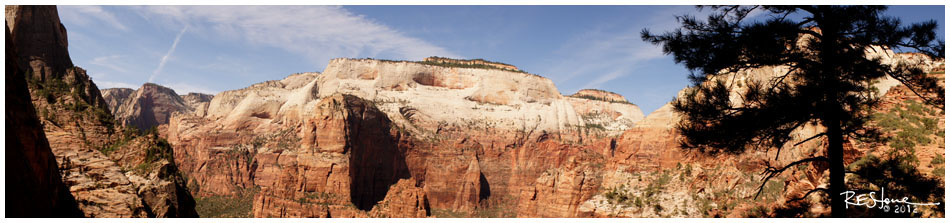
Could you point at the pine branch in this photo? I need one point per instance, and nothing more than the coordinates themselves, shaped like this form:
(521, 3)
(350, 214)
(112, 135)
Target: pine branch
(772, 171)
(811, 138)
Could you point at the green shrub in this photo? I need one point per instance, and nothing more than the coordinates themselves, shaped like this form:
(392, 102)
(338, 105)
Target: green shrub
(461, 65)
(912, 127)
(589, 97)
(159, 151)
(758, 212)
(447, 213)
(595, 126)
(321, 198)
(938, 160)
(226, 206)
(772, 190)
(938, 172)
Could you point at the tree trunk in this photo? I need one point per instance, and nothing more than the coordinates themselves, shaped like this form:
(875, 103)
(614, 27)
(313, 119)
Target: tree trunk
(830, 24)
(836, 162)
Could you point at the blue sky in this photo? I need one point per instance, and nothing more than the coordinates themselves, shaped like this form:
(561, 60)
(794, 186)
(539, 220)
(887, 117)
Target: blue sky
(216, 48)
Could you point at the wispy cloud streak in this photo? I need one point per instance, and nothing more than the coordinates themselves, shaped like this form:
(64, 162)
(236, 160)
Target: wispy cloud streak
(611, 51)
(318, 32)
(109, 62)
(171, 50)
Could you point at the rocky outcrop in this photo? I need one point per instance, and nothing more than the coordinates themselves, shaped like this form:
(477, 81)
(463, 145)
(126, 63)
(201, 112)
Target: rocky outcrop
(198, 102)
(153, 104)
(606, 111)
(41, 41)
(558, 192)
(353, 155)
(193, 99)
(468, 195)
(149, 106)
(116, 97)
(404, 200)
(149, 165)
(646, 147)
(36, 189)
(99, 185)
(342, 160)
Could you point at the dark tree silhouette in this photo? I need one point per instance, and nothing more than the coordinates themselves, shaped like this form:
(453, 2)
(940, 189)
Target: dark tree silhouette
(828, 81)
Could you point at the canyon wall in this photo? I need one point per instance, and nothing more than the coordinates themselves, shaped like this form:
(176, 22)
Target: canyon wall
(35, 188)
(499, 130)
(79, 127)
(466, 142)
(149, 106)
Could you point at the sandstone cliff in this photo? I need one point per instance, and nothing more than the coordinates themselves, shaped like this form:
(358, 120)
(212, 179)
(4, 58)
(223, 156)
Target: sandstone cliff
(73, 114)
(35, 188)
(605, 110)
(376, 138)
(152, 105)
(198, 102)
(115, 97)
(75, 118)
(149, 106)
(435, 121)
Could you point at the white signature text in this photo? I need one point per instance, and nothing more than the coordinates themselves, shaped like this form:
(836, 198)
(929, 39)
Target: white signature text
(871, 200)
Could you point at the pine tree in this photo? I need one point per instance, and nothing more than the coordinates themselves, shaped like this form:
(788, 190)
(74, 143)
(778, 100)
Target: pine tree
(827, 84)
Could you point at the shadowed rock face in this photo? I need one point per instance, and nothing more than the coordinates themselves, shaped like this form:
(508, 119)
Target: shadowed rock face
(41, 40)
(35, 188)
(376, 161)
(152, 104)
(345, 157)
(74, 116)
(149, 106)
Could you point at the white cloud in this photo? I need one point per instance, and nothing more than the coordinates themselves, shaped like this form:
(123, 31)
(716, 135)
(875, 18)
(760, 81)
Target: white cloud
(110, 62)
(318, 32)
(161, 64)
(83, 15)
